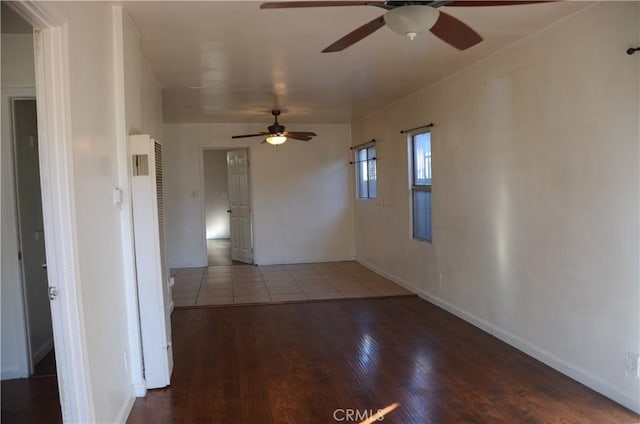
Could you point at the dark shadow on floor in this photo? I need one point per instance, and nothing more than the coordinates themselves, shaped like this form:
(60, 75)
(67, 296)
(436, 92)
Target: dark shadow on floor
(47, 366)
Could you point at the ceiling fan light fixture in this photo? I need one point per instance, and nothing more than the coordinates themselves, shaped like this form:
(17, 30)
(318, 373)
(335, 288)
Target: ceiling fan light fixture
(411, 20)
(276, 139)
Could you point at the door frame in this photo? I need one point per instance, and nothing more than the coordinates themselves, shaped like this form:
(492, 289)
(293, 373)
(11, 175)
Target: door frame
(203, 213)
(51, 41)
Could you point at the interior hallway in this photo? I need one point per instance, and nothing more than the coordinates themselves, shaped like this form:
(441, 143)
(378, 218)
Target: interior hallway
(303, 362)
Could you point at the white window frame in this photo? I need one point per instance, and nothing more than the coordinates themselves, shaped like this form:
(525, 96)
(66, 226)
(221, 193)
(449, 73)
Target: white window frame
(357, 162)
(413, 188)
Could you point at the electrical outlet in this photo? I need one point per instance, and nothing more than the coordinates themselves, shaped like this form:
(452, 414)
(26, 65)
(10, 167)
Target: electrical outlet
(126, 361)
(440, 280)
(632, 364)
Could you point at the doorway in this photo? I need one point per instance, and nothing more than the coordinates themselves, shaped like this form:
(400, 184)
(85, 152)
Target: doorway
(31, 253)
(227, 206)
(36, 397)
(29, 371)
(216, 207)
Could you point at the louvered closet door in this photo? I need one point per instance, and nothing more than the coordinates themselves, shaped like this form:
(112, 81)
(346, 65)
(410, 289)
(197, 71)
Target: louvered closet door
(240, 205)
(163, 253)
(154, 293)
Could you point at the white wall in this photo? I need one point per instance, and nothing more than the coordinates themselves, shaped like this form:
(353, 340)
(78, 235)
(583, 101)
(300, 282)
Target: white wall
(17, 80)
(143, 97)
(216, 194)
(139, 112)
(98, 220)
(536, 196)
(301, 193)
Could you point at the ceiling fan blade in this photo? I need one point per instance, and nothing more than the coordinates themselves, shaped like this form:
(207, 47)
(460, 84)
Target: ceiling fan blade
(299, 137)
(355, 36)
(291, 4)
(249, 135)
(301, 133)
(473, 3)
(455, 32)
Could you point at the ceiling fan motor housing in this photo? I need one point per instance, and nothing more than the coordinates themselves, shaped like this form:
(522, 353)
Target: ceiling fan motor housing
(276, 128)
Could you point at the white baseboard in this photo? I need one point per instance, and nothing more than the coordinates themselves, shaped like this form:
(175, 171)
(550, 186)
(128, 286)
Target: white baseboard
(388, 276)
(258, 261)
(140, 389)
(125, 410)
(13, 373)
(188, 265)
(530, 349)
(304, 261)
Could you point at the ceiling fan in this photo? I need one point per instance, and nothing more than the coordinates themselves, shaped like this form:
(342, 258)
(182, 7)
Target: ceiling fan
(408, 18)
(277, 135)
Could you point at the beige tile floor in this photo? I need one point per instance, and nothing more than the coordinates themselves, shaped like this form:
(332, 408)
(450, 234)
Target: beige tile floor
(248, 284)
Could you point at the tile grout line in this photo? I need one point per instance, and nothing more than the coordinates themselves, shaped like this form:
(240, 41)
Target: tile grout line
(195, 302)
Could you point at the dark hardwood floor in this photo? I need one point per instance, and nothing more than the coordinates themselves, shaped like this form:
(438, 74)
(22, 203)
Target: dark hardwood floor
(219, 252)
(34, 399)
(303, 363)
(31, 400)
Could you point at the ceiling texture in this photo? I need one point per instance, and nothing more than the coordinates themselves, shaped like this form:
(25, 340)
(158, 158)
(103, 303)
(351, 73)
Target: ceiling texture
(233, 62)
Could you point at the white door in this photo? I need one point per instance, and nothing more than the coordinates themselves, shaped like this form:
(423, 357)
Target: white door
(240, 206)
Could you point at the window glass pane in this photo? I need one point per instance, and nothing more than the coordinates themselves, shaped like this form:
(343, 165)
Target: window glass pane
(422, 214)
(363, 189)
(362, 155)
(422, 159)
(373, 180)
(371, 152)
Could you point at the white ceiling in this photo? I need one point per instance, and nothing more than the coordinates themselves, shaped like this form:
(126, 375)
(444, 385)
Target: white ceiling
(246, 60)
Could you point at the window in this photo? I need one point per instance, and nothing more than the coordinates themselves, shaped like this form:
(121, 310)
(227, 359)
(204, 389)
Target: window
(421, 185)
(366, 172)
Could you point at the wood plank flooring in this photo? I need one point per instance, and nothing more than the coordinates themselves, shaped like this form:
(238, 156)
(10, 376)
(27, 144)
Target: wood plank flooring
(31, 400)
(34, 399)
(219, 252)
(313, 362)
